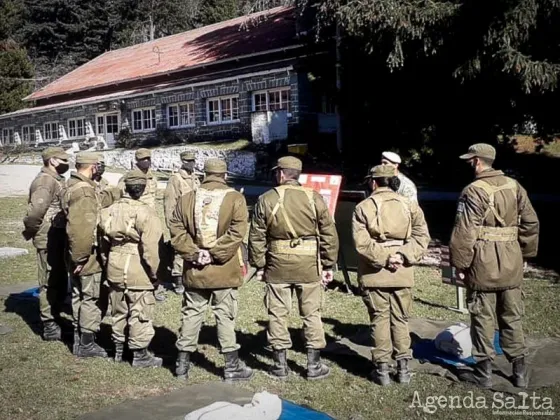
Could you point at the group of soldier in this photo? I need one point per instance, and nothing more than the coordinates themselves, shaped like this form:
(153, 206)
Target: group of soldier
(104, 235)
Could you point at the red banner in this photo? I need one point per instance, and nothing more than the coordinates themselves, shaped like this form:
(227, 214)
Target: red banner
(326, 185)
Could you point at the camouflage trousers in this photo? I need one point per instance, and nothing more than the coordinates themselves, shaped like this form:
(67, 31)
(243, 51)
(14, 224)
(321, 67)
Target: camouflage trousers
(278, 303)
(86, 308)
(504, 310)
(53, 283)
(224, 306)
(135, 309)
(389, 310)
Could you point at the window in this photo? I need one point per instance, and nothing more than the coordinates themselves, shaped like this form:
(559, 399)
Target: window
(28, 132)
(222, 110)
(272, 100)
(7, 135)
(112, 124)
(144, 119)
(50, 131)
(181, 115)
(76, 127)
(101, 126)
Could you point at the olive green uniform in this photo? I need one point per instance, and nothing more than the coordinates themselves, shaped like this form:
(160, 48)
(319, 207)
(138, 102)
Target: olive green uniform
(293, 239)
(385, 224)
(496, 227)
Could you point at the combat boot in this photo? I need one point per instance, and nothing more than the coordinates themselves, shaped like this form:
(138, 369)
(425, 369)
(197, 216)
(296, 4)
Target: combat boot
(520, 373)
(76, 342)
(178, 285)
(88, 347)
(51, 331)
(235, 370)
(183, 365)
(380, 374)
(280, 369)
(481, 375)
(315, 369)
(119, 348)
(144, 359)
(403, 372)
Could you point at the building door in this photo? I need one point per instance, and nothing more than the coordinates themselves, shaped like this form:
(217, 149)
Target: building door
(108, 127)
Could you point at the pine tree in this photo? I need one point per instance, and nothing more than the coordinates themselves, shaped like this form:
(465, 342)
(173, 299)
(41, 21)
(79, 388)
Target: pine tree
(15, 71)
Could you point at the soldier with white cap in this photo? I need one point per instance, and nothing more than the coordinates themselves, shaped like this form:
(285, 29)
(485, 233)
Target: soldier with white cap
(407, 187)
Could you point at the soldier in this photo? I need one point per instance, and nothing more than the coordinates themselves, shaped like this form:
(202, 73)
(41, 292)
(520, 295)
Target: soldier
(293, 243)
(82, 205)
(102, 184)
(180, 183)
(407, 187)
(207, 229)
(133, 230)
(390, 235)
(44, 223)
(144, 162)
(496, 228)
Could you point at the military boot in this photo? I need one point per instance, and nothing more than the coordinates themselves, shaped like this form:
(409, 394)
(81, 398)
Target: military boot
(481, 375)
(88, 347)
(51, 331)
(144, 359)
(280, 369)
(235, 370)
(178, 287)
(403, 372)
(380, 374)
(520, 373)
(315, 369)
(76, 342)
(119, 348)
(183, 365)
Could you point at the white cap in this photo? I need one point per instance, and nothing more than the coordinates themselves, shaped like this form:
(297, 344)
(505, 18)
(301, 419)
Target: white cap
(391, 156)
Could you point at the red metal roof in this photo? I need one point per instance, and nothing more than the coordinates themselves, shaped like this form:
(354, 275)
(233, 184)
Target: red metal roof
(199, 46)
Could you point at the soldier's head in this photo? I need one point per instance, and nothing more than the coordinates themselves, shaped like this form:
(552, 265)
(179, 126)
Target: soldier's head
(391, 159)
(143, 159)
(101, 164)
(135, 183)
(480, 156)
(215, 167)
(382, 176)
(188, 161)
(56, 159)
(288, 168)
(87, 164)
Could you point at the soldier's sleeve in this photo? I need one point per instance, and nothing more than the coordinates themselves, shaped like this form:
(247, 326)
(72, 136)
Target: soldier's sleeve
(229, 243)
(81, 224)
(328, 243)
(170, 198)
(468, 220)
(39, 203)
(417, 245)
(366, 246)
(528, 225)
(180, 231)
(257, 235)
(109, 195)
(150, 230)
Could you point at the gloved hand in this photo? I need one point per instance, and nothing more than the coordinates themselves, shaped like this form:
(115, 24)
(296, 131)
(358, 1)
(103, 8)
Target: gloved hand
(326, 277)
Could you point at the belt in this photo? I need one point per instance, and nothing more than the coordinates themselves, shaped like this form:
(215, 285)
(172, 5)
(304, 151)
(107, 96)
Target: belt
(294, 246)
(395, 242)
(498, 234)
(129, 248)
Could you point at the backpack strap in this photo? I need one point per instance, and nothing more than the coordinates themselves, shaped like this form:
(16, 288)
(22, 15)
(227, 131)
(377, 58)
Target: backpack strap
(491, 191)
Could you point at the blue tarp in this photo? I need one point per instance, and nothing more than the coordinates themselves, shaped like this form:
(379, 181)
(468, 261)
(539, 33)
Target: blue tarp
(425, 350)
(291, 411)
(29, 294)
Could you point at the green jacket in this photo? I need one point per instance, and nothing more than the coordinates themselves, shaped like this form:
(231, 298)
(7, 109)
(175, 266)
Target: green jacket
(180, 183)
(150, 193)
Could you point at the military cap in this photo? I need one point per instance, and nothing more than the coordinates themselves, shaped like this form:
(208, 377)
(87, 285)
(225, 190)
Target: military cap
(215, 166)
(87, 158)
(381, 171)
(101, 157)
(54, 152)
(135, 177)
(188, 156)
(143, 154)
(288, 162)
(481, 150)
(391, 157)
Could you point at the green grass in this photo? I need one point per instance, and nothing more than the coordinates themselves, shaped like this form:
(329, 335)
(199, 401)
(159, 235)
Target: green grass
(43, 380)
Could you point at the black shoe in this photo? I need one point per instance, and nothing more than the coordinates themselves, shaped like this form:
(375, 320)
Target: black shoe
(51, 331)
(89, 348)
(380, 374)
(280, 368)
(144, 359)
(481, 375)
(315, 369)
(520, 373)
(403, 372)
(183, 365)
(235, 370)
(119, 348)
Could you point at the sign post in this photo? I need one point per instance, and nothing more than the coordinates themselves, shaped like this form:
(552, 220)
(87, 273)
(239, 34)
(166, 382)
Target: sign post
(449, 276)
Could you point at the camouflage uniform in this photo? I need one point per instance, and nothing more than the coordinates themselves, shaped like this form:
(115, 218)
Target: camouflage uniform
(293, 239)
(133, 230)
(496, 227)
(406, 188)
(45, 223)
(383, 225)
(211, 220)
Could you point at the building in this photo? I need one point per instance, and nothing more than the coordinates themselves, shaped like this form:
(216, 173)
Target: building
(243, 78)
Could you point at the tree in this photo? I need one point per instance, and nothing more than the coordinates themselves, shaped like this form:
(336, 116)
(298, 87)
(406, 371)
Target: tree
(16, 71)
(11, 12)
